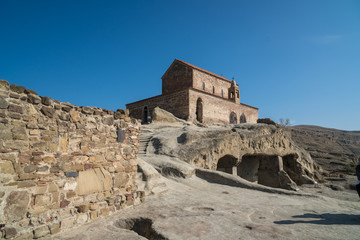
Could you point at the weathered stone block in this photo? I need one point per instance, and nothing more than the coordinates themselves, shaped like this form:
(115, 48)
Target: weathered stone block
(4, 84)
(71, 174)
(16, 205)
(70, 194)
(30, 168)
(3, 103)
(54, 228)
(9, 232)
(94, 215)
(15, 108)
(15, 95)
(74, 116)
(16, 88)
(25, 236)
(29, 91)
(120, 179)
(34, 99)
(41, 232)
(48, 111)
(6, 167)
(67, 223)
(87, 110)
(64, 203)
(46, 101)
(81, 218)
(108, 120)
(17, 145)
(93, 181)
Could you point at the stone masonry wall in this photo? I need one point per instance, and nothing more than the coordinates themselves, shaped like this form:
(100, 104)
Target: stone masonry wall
(210, 82)
(176, 103)
(62, 165)
(218, 110)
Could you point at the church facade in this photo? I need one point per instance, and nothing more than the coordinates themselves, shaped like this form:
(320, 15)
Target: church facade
(194, 94)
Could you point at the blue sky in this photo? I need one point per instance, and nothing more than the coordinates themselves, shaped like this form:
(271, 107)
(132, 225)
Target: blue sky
(292, 59)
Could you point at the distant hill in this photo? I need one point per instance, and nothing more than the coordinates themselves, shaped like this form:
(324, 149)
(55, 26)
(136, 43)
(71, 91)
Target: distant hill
(335, 150)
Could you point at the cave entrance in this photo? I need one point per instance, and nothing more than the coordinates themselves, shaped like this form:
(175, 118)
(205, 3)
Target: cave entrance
(260, 168)
(227, 164)
(292, 167)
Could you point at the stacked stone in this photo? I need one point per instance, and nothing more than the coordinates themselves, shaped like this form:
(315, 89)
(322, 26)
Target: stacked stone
(60, 164)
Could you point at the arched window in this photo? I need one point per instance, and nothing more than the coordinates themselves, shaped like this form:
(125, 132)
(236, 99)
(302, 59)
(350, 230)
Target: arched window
(243, 118)
(203, 86)
(233, 118)
(213, 90)
(222, 93)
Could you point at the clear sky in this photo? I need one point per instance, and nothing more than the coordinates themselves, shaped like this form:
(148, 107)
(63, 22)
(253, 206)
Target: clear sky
(296, 59)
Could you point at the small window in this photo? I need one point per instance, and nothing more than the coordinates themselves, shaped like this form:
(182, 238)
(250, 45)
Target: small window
(203, 86)
(222, 93)
(237, 94)
(213, 90)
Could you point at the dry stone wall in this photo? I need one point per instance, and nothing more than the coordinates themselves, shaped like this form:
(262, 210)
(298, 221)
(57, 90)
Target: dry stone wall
(60, 164)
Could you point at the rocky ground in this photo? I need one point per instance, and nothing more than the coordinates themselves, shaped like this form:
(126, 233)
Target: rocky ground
(193, 208)
(181, 204)
(335, 150)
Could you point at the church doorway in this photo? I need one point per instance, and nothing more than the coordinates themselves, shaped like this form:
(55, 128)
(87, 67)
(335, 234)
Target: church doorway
(199, 110)
(233, 118)
(145, 114)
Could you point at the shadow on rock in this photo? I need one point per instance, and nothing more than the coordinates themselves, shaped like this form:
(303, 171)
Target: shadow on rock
(324, 219)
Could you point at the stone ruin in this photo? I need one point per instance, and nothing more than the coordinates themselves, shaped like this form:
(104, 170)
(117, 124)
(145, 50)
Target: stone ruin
(62, 165)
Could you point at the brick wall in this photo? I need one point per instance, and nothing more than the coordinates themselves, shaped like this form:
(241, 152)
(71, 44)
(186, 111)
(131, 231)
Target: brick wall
(176, 103)
(218, 110)
(60, 164)
(177, 77)
(210, 82)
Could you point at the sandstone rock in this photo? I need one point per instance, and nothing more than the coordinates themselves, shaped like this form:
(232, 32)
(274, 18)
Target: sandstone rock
(161, 116)
(3, 103)
(16, 205)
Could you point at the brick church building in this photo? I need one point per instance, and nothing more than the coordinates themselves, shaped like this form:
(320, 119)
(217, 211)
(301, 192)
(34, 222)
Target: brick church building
(192, 93)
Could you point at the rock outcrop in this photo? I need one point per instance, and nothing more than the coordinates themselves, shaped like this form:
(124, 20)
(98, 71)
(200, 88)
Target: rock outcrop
(259, 153)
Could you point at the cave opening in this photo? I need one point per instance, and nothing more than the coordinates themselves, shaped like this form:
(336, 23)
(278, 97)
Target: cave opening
(260, 168)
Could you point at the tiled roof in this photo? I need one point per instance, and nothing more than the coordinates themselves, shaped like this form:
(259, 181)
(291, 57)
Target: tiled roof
(202, 70)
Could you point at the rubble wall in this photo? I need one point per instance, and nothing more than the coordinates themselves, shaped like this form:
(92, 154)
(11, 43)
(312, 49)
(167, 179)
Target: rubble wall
(62, 165)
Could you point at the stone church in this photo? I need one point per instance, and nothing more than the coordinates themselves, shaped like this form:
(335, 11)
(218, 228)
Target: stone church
(192, 93)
